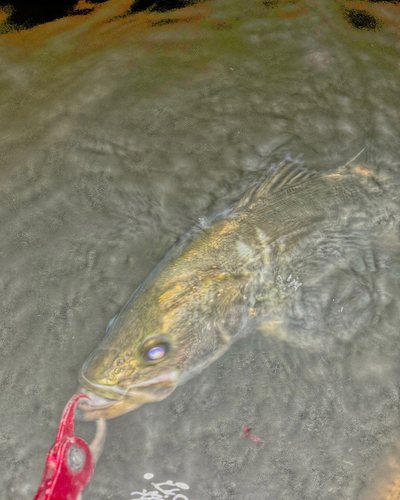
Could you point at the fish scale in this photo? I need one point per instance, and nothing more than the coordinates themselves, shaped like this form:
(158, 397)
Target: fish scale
(274, 262)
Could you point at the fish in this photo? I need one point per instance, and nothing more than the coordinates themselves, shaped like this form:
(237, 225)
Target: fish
(224, 279)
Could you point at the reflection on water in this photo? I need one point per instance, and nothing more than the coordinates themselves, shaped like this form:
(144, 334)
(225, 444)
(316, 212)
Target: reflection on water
(118, 133)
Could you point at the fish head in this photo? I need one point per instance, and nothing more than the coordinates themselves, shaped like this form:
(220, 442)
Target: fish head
(161, 338)
(135, 364)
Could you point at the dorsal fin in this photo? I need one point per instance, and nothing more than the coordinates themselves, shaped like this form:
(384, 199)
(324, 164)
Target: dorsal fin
(360, 157)
(289, 173)
(359, 165)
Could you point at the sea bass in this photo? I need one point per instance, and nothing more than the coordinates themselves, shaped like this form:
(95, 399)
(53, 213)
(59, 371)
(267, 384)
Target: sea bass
(226, 277)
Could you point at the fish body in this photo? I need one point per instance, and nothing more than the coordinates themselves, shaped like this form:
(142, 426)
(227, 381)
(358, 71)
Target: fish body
(220, 282)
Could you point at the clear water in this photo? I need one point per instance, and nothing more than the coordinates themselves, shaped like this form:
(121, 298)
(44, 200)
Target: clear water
(116, 137)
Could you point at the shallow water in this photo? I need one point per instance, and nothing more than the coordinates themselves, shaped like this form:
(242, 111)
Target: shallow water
(118, 134)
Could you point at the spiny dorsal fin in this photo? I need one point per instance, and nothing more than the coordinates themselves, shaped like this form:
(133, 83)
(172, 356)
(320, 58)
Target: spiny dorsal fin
(358, 165)
(357, 159)
(289, 173)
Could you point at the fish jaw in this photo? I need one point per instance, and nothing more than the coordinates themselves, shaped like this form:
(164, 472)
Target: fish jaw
(110, 402)
(99, 407)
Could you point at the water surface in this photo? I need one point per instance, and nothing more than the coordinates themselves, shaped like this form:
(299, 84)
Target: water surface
(118, 133)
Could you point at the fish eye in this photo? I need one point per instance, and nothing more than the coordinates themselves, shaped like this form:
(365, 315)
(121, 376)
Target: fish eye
(155, 349)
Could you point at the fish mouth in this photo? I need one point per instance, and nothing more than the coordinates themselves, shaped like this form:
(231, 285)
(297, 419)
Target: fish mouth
(98, 407)
(110, 402)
